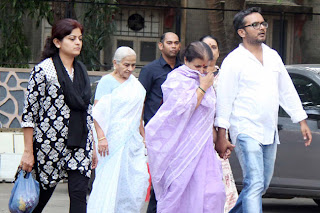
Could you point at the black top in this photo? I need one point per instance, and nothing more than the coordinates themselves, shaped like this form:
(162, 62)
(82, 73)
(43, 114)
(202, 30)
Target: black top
(152, 77)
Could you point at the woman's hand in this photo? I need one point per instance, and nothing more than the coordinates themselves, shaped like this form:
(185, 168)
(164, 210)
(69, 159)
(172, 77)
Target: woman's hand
(27, 161)
(206, 81)
(103, 147)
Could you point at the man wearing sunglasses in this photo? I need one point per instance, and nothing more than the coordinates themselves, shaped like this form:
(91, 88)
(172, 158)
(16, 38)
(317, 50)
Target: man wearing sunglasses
(252, 84)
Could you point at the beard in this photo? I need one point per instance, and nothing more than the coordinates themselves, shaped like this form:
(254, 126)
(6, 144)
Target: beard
(256, 40)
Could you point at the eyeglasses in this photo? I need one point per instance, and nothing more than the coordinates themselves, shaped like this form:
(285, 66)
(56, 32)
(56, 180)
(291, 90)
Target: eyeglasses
(257, 25)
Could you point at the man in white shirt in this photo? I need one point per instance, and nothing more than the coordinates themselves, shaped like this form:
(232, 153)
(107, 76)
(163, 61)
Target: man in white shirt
(253, 82)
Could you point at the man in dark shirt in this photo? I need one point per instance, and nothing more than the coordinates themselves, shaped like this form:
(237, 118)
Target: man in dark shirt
(152, 77)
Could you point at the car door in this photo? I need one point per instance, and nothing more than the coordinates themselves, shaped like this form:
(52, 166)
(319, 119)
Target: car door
(297, 167)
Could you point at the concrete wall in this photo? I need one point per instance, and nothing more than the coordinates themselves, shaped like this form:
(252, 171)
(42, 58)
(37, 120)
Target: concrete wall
(11, 149)
(13, 83)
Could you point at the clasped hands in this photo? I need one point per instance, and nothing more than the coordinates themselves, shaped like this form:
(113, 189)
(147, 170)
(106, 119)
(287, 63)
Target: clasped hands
(224, 147)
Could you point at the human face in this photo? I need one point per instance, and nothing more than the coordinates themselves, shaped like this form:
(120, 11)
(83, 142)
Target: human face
(170, 46)
(198, 64)
(71, 44)
(251, 35)
(124, 69)
(213, 46)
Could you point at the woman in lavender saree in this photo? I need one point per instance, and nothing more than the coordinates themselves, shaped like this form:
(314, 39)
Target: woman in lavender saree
(121, 180)
(185, 171)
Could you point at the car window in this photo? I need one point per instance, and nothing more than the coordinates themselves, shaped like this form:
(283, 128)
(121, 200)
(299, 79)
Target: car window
(308, 90)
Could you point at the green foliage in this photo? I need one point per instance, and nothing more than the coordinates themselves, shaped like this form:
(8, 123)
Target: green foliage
(13, 48)
(155, 2)
(98, 25)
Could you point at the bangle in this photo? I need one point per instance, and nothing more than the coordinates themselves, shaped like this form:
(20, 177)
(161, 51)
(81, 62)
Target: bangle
(201, 92)
(101, 138)
(202, 89)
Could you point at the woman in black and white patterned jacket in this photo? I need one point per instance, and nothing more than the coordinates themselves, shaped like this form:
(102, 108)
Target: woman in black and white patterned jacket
(56, 119)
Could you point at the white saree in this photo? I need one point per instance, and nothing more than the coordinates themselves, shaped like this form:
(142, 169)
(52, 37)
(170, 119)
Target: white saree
(121, 179)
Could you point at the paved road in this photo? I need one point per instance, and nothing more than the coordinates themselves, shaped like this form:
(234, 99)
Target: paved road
(59, 203)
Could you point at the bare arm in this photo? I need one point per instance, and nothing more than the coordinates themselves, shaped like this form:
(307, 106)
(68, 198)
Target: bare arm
(222, 145)
(215, 135)
(103, 149)
(34, 96)
(27, 159)
(94, 157)
(200, 96)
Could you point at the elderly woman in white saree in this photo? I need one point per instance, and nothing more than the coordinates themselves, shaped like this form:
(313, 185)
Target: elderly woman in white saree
(121, 180)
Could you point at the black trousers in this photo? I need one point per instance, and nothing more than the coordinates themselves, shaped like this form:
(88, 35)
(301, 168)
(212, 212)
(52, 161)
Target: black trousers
(152, 207)
(77, 187)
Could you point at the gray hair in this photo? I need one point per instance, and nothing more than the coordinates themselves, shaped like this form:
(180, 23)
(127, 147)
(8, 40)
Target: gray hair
(123, 52)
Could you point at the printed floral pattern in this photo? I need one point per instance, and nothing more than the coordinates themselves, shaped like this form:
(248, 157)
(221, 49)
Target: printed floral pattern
(46, 111)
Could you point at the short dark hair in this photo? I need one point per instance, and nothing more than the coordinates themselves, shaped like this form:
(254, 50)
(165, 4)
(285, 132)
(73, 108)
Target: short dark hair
(238, 22)
(197, 49)
(60, 29)
(210, 36)
(163, 36)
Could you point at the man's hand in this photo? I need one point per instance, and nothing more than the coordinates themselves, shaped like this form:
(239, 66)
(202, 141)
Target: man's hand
(222, 145)
(224, 148)
(306, 133)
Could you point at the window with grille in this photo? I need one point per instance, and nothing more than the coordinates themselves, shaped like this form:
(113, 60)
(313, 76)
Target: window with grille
(141, 23)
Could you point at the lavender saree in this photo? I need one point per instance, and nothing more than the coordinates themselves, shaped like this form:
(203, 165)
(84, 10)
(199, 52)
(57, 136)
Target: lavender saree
(186, 174)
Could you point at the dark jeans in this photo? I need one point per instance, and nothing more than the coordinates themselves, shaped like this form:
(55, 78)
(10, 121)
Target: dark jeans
(152, 207)
(77, 187)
